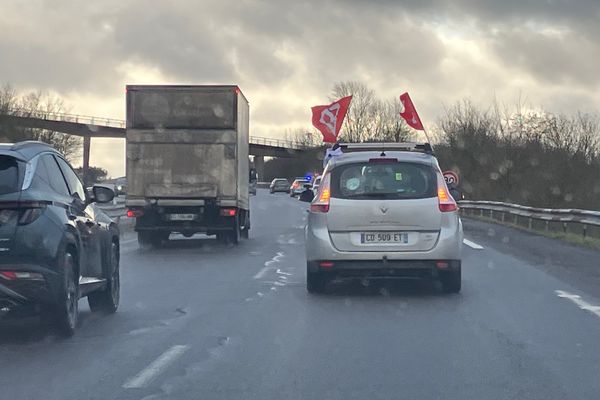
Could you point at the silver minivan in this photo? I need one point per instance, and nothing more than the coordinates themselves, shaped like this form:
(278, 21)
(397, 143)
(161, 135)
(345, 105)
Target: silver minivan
(383, 210)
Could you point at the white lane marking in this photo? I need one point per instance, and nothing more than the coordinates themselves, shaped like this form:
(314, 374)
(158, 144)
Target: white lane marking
(268, 266)
(472, 245)
(263, 271)
(156, 367)
(584, 305)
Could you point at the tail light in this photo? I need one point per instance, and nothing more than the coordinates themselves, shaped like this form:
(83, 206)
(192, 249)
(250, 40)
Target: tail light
(28, 215)
(135, 212)
(321, 201)
(445, 200)
(25, 211)
(15, 275)
(228, 212)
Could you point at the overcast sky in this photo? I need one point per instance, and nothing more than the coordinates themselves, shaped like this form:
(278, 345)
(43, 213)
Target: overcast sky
(286, 54)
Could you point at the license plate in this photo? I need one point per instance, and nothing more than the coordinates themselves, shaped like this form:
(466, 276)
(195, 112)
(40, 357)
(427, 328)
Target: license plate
(181, 217)
(384, 237)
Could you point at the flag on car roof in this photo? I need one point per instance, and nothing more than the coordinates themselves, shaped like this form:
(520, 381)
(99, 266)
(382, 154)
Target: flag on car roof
(410, 114)
(328, 119)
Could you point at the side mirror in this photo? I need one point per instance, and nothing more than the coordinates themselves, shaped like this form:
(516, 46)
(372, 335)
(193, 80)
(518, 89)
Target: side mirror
(102, 194)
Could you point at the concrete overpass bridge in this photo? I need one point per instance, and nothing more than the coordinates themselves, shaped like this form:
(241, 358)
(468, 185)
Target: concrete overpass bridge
(89, 127)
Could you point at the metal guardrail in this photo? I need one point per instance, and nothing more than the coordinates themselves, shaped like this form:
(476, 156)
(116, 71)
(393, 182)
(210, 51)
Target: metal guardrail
(119, 123)
(584, 222)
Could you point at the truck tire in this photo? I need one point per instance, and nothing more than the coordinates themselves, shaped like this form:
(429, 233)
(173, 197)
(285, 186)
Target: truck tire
(148, 239)
(233, 236)
(107, 300)
(246, 226)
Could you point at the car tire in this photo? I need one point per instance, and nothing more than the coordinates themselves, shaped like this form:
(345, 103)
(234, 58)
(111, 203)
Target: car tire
(67, 307)
(315, 282)
(107, 300)
(451, 281)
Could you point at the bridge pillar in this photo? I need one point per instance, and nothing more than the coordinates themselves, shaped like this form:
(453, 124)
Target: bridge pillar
(87, 142)
(259, 165)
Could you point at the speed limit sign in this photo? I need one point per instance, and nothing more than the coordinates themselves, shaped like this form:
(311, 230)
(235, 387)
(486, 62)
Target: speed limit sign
(451, 177)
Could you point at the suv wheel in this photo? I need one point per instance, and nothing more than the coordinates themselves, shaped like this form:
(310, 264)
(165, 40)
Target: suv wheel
(108, 299)
(67, 308)
(315, 282)
(451, 281)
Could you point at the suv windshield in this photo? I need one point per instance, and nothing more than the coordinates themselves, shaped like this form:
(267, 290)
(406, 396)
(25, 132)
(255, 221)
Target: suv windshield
(384, 180)
(9, 175)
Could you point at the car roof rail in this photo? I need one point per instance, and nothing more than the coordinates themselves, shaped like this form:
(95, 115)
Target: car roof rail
(389, 146)
(30, 143)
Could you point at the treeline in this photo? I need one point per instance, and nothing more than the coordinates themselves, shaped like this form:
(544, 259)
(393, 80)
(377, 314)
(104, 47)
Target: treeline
(527, 157)
(521, 155)
(37, 103)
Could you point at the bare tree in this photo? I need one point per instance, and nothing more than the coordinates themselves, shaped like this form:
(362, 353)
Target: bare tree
(358, 123)
(35, 104)
(308, 137)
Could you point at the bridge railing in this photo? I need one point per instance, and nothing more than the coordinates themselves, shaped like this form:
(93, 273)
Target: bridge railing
(119, 123)
(583, 222)
(65, 117)
(289, 144)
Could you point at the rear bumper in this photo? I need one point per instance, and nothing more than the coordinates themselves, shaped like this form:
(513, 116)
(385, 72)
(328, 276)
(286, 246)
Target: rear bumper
(20, 292)
(280, 189)
(319, 246)
(383, 268)
(208, 220)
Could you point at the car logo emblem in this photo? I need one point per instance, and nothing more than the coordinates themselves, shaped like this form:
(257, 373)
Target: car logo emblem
(383, 209)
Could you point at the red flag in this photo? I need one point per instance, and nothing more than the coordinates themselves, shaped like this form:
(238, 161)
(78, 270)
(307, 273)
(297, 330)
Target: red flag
(410, 113)
(328, 119)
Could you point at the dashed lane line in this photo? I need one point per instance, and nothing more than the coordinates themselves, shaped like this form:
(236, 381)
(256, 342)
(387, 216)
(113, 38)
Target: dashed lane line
(584, 305)
(472, 245)
(156, 367)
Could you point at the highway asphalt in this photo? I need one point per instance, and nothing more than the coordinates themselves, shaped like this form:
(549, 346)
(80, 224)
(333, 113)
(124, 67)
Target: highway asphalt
(200, 320)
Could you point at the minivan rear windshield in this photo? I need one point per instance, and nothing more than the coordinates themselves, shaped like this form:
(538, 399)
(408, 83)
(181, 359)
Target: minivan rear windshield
(393, 180)
(9, 175)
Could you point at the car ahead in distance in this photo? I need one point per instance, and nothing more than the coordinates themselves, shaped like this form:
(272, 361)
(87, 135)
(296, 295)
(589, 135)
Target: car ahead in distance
(298, 186)
(316, 183)
(383, 210)
(279, 185)
(56, 246)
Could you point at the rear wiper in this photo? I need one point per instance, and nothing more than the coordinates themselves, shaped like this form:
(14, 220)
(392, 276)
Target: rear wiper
(379, 195)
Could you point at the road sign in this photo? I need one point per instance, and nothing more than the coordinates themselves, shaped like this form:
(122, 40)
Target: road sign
(451, 177)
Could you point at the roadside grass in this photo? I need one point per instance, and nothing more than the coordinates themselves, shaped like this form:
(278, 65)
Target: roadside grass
(576, 239)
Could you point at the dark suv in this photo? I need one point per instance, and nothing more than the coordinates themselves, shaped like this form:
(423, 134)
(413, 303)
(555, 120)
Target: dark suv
(56, 246)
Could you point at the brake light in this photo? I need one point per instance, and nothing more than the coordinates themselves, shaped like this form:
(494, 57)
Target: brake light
(326, 264)
(8, 275)
(445, 200)
(135, 213)
(228, 212)
(14, 275)
(28, 215)
(321, 202)
(382, 160)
